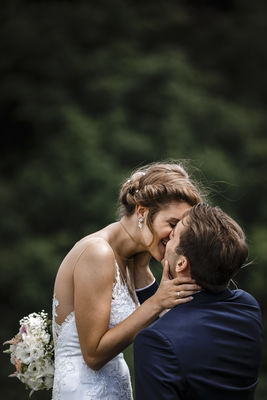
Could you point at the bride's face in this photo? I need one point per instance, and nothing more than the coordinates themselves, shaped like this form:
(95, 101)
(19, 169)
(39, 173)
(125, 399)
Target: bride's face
(163, 224)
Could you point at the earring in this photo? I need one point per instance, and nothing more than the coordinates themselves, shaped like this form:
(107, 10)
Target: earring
(140, 223)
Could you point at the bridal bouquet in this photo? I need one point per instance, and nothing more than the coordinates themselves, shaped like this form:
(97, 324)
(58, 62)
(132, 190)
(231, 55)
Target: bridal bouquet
(32, 351)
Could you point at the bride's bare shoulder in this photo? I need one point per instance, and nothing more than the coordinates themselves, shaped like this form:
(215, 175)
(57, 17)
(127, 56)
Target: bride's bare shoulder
(95, 249)
(89, 254)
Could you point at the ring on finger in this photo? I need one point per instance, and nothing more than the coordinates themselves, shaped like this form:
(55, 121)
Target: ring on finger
(179, 294)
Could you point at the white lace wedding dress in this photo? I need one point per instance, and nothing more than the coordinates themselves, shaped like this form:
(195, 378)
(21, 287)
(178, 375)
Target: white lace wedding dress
(73, 379)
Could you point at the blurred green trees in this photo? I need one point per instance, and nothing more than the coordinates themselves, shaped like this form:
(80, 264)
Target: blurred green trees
(91, 90)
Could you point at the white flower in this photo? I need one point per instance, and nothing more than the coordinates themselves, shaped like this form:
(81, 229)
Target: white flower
(31, 351)
(48, 381)
(23, 353)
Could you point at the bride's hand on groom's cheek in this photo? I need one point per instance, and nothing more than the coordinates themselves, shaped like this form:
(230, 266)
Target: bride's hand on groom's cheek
(172, 292)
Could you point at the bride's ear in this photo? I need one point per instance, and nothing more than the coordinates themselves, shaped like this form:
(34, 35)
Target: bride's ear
(141, 211)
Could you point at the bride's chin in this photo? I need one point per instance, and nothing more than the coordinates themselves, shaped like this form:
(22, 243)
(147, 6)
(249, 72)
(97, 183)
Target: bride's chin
(157, 251)
(159, 255)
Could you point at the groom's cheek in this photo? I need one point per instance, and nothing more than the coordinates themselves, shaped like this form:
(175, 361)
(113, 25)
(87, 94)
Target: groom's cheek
(172, 272)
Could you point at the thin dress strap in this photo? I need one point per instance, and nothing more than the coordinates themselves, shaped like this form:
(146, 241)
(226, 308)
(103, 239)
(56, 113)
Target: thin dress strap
(118, 276)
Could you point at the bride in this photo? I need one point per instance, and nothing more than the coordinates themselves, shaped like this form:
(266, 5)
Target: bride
(96, 313)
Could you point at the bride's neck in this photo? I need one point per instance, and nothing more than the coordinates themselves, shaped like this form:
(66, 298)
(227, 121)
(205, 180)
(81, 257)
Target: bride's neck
(126, 239)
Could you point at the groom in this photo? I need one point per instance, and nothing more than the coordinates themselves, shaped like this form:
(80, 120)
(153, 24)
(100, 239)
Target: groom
(210, 347)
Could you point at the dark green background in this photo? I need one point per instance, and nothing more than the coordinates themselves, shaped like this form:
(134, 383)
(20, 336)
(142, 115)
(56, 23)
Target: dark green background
(89, 90)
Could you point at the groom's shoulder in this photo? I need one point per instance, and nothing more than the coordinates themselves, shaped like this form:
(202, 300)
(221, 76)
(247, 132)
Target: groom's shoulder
(178, 316)
(188, 315)
(240, 295)
(246, 303)
(172, 328)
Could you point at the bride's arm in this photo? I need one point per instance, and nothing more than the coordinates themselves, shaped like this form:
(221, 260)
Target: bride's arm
(93, 279)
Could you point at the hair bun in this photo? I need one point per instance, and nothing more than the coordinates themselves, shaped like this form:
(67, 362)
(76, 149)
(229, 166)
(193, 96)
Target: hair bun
(157, 184)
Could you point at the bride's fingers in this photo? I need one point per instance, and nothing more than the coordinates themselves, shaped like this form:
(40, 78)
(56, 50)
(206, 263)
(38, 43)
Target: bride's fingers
(183, 300)
(179, 281)
(183, 286)
(184, 293)
(165, 272)
(187, 287)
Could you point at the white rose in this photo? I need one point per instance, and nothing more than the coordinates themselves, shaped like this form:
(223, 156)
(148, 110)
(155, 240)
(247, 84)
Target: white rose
(33, 376)
(37, 352)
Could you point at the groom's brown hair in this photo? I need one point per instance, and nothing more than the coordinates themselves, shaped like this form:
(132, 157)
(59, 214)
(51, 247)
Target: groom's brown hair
(214, 244)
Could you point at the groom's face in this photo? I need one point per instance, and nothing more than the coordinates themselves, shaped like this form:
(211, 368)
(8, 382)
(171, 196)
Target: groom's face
(170, 255)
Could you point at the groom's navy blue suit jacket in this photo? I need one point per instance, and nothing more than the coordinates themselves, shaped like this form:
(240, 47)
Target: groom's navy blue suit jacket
(207, 349)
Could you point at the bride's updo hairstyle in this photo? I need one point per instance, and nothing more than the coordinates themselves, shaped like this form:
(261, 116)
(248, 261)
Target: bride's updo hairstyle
(156, 185)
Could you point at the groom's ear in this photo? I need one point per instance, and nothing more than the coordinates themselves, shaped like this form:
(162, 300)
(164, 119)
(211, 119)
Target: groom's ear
(182, 264)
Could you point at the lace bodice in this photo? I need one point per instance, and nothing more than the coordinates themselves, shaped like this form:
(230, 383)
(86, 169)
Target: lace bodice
(73, 378)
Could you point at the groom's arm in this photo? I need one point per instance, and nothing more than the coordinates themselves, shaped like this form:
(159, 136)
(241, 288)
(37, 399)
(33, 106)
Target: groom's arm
(144, 293)
(157, 371)
(144, 280)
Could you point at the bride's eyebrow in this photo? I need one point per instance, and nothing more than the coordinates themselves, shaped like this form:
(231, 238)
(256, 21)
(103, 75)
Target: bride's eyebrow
(173, 219)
